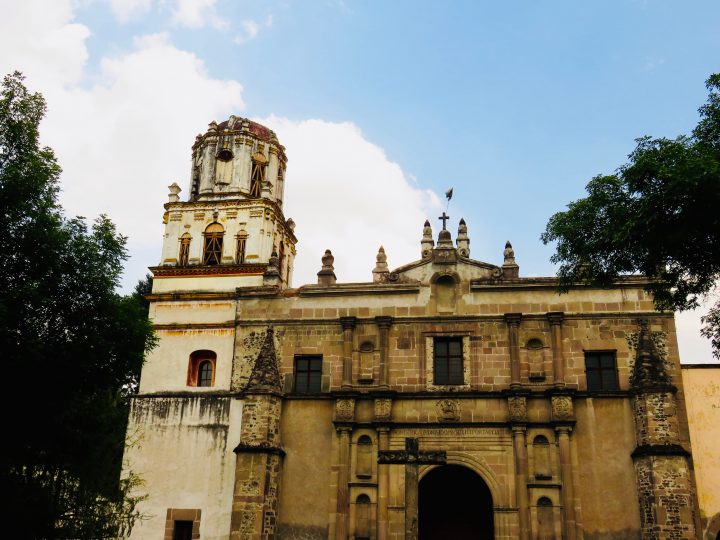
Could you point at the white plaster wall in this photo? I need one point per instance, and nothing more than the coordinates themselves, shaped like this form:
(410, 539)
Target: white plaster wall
(211, 283)
(182, 448)
(166, 367)
(192, 311)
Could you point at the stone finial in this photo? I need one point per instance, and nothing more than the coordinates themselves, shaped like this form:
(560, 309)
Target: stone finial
(212, 126)
(509, 253)
(463, 240)
(381, 266)
(326, 275)
(427, 243)
(444, 239)
(649, 369)
(175, 190)
(271, 276)
(510, 267)
(265, 375)
(290, 224)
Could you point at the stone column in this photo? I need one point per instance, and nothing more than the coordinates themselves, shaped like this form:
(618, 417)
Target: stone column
(568, 496)
(521, 467)
(384, 324)
(348, 325)
(383, 485)
(343, 503)
(556, 319)
(513, 322)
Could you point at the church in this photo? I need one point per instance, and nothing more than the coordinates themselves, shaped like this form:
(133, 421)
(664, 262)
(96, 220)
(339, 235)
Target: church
(447, 398)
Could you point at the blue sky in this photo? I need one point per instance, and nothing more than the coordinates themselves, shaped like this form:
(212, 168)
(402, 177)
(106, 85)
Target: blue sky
(515, 105)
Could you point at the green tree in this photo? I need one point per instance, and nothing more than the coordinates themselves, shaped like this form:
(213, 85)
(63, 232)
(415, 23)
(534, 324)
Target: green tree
(658, 215)
(72, 346)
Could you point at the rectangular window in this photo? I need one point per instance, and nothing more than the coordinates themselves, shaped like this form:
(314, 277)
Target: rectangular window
(601, 371)
(182, 530)
(308, 374)
(448, 360)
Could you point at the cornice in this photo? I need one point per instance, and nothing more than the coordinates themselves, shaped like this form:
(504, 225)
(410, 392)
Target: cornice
(210, 205)
(209, 270)
(551, 283)
(189, 295)
(353, 289)
(440, 319)
(194, 326)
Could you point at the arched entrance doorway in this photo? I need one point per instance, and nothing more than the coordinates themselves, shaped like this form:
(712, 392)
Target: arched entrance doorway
(454, 502)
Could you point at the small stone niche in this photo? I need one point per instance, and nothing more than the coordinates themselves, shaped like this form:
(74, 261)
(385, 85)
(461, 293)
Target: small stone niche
(367, 362)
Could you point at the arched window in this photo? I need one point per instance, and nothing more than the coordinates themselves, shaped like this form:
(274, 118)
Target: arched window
(281, 257)
(363, 462)
(212, 250)
(184, 255)
(241, 247)
(201, 368)
(257, 173)
(541, 455)
(362, 517)
(280, 179)
(205, 373)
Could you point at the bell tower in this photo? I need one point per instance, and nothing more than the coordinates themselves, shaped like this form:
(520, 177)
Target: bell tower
(231, 231)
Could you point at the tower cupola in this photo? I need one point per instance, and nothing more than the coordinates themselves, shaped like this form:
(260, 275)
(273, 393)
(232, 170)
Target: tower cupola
(231, 231)
(237, 158)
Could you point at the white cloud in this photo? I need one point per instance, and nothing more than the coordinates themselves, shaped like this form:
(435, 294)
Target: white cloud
(652, 63)
(197, 14)
(694, 348)
(251, 29)
(41, 40)
(345, 195)
(121, 142)
(124, 10)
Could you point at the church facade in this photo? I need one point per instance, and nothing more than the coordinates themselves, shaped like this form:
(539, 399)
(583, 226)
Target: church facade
(448, 398)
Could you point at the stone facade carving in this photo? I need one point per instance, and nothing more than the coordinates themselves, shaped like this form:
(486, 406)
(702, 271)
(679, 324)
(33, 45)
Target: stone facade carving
(383, 407)
(562, 408)
(265, 374)
(517, 409)
(448, 410)
(367, 349)
(344, 410)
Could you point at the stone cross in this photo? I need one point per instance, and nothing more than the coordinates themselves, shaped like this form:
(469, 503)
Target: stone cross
(411, 457)
(444, 219)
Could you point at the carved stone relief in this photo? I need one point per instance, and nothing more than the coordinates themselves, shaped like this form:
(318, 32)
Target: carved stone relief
(383, 407)
(448, 410)
(517, 409)
(562, 408)
(345, 410)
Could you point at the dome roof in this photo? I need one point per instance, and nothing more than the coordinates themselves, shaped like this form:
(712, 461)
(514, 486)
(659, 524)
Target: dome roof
(235, 124)
(239, 125)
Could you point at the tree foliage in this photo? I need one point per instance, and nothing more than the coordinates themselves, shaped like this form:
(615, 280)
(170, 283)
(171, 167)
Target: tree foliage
(72, 345)
(658, 215)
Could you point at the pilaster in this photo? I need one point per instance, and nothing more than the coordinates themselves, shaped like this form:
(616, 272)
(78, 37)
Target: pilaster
(513, 322)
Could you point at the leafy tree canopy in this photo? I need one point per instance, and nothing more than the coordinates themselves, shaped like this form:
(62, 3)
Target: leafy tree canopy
(658, 215)
(72, 346)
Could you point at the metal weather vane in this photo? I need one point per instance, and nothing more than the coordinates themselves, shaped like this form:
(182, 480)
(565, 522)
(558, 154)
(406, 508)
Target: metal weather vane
(445, 217)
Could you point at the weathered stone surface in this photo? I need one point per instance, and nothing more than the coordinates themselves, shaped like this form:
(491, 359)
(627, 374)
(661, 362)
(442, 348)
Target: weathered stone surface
(559, 459)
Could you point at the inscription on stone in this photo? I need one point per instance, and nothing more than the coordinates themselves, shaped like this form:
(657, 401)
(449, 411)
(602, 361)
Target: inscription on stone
(443, 432)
